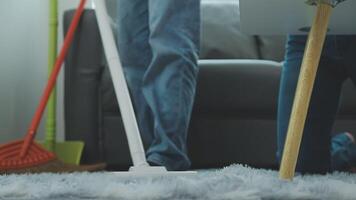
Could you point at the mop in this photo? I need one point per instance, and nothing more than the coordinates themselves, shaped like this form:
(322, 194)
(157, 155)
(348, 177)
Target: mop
(140, 166)
(305, 85)
(26, 156)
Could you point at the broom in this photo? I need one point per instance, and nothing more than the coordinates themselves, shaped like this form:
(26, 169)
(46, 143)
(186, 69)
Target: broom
(66, 151)
(26, 156)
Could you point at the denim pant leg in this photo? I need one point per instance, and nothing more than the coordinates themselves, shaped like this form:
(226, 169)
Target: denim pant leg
(170, 80)
(314, 154)
(135, 55)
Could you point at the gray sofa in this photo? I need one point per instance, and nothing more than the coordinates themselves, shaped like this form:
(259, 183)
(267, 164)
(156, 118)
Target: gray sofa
(234, 116)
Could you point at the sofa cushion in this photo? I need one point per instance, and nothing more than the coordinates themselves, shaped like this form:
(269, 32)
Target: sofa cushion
(271, 47)
(221, 37)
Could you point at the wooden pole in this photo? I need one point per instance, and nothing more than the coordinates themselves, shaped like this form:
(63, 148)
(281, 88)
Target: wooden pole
(304, 90)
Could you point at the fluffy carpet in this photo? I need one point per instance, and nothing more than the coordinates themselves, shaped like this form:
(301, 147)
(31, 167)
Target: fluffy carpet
(234, 182)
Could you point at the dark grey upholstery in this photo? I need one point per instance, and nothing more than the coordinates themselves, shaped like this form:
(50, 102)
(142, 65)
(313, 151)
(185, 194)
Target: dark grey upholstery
(234, 116)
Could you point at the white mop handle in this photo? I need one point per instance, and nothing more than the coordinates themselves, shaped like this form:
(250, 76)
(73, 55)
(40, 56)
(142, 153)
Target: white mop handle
(120, 85)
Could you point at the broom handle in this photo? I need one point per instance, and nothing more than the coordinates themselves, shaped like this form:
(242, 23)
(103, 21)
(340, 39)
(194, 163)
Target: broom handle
(304, 90)
(52, 53)
(52, 80)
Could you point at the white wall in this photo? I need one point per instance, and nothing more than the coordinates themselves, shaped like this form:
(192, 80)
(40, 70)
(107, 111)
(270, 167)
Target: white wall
(23, 64)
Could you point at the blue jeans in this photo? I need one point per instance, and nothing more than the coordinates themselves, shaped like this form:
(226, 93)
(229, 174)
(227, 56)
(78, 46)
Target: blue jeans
(317, 155)
(158, 42)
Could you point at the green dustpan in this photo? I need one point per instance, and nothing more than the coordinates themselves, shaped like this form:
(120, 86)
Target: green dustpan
(67, 151)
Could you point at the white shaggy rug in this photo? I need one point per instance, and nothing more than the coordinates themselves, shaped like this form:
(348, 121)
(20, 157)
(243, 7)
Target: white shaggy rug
(234, 182)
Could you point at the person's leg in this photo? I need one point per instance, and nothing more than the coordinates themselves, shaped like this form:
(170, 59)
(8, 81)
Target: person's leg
(135, 54)
(314, 154)
(170, 81)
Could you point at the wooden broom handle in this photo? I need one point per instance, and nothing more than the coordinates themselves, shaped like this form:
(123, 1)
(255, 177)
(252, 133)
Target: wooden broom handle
(304, 90)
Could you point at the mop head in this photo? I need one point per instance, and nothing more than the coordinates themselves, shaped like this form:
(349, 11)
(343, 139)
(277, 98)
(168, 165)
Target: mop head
(55, 166)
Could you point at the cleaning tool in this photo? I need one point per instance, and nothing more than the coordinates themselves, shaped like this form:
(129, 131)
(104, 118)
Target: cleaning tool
(67, 151)
(140, 165)
(305, 85)
(26, 155)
